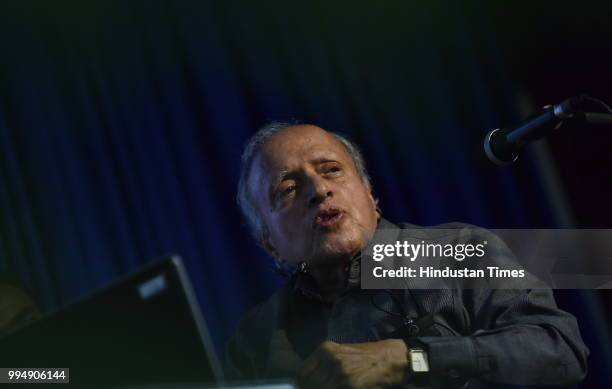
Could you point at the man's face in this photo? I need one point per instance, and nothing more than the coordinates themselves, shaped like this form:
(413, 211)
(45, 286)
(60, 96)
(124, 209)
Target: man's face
(312, 201)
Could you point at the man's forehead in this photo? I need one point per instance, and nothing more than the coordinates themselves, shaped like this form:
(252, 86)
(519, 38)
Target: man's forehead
(299, 143)
(293, 145)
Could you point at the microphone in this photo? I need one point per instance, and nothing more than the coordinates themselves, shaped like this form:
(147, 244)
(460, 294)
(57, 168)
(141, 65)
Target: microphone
(502, 146)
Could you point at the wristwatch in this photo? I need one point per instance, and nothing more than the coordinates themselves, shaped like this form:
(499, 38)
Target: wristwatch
(419, 363)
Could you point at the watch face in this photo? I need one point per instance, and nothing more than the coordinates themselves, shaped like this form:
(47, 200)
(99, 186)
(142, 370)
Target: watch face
(418, 361)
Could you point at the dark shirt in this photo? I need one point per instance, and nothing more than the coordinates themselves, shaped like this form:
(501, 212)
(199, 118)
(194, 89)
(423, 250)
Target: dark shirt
(481, 337)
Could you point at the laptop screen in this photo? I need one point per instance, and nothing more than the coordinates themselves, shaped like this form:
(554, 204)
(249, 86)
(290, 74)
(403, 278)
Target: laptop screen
(143, 328)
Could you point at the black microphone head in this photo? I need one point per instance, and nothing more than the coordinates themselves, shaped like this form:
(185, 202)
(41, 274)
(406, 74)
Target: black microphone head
(498, 149)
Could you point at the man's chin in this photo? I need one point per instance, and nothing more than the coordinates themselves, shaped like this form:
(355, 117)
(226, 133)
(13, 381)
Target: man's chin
(332, 251)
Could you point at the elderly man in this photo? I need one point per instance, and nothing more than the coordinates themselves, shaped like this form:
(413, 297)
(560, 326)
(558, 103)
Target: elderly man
(307, 197)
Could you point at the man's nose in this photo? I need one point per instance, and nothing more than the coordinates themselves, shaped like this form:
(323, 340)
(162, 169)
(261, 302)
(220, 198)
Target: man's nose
(320, 190)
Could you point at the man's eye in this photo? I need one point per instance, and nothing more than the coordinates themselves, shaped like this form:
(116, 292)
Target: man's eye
(288, 191)
(333, 169)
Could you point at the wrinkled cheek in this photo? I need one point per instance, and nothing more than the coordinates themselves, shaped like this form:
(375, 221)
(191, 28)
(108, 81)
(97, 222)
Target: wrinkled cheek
(301, 244)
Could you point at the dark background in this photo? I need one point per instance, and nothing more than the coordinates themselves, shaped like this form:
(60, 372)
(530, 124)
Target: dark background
(122, 123)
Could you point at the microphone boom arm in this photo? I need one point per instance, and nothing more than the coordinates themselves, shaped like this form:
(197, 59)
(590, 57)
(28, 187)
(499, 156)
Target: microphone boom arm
(502, 146)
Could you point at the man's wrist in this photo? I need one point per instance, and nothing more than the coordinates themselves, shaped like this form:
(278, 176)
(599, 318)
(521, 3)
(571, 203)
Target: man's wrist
(418, 361)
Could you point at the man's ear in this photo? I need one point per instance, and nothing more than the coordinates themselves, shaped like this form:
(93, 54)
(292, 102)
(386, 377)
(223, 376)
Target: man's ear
(266, 243)
(374, 200)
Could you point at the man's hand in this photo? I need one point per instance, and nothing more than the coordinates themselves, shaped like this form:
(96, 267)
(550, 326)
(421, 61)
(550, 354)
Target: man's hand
(355, 365)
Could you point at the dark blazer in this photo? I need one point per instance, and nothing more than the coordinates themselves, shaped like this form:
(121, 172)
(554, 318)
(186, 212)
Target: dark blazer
(478, 337)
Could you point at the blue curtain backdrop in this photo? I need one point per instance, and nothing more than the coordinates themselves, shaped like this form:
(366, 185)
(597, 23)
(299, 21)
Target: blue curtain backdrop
(122, 123)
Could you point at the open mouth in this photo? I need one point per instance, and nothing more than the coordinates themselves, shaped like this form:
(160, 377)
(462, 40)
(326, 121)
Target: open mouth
(328, 217)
